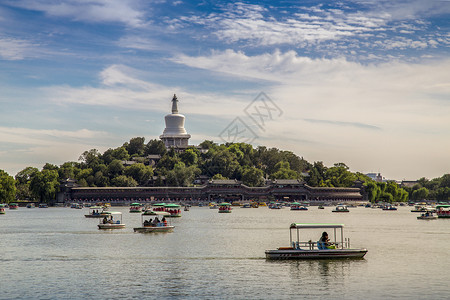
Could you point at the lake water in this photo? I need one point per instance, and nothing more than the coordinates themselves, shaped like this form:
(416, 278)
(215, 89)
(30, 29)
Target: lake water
(57, 253)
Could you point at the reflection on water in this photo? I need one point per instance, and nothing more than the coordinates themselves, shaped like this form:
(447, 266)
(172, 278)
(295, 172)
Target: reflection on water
(56, 253)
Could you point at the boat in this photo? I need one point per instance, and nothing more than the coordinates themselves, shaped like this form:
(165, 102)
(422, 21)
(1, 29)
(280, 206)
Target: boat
(298, 206)
(135, 208)
(427, 216)
(2, 209)
(275, 205)
(389, 207)
(246, 205)
(112, 221)
(187, 207)
(149, 225)
(173, 210)
(420, 207)
(320, 207)
(13, 206)
(340, 208)
(224, 207)
(43, 205)
(443, 211)
(96, 212)
(30, 205)
(316, 250)
(213, 205)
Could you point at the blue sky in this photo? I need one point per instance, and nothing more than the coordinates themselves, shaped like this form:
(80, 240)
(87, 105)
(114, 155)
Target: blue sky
(362, 82)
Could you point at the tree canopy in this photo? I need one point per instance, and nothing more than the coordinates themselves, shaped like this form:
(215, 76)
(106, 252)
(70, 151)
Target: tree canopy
(130, 165)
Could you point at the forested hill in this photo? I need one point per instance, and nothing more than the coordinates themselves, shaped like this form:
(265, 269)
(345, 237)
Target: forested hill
(137, 163)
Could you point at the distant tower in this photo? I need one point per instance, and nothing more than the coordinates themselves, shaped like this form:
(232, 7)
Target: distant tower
(174, 134)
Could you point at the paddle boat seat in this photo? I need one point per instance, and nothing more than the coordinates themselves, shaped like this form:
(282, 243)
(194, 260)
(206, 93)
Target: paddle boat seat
(321, 245)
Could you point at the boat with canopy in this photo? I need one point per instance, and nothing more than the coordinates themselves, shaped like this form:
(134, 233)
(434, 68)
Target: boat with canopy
(154, 225)
(135, 207)
(225, 207)
(303, 247)
(443, 211)
(113, 220)
(96, 212)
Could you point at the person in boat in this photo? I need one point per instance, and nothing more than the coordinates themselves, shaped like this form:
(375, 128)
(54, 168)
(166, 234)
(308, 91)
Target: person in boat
(105, 220)
(325, 241)
(164, 221)
(156, 221)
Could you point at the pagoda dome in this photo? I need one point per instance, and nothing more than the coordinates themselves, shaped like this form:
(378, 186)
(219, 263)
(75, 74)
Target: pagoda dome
(175, 134)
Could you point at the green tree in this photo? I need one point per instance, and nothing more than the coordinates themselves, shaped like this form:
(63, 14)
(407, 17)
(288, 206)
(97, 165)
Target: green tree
(189, 157)
(115, 168)
(7, 187)
(155, 147)
(181, 175)
(135, 146)
(23, 179)
(339, 176)
(44, 185)
(282, 170)
(252, 176)
(139, 172)
(90, 158)
(123, 181)
(420, 194)
(219, 177)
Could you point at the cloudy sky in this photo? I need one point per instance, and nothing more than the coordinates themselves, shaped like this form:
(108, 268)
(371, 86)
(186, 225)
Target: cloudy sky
(365, 82)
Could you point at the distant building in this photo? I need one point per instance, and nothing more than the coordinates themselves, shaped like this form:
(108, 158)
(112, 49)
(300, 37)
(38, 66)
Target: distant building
(376, 176)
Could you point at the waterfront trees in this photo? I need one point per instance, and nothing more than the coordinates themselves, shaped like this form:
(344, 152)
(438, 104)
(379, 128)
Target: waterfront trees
(7, 187)
(238, 161)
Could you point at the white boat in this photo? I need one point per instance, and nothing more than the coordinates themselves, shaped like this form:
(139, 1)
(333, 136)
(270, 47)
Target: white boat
(316, 250)
(96, 212)
(149, 224)
(427, 216)
(112, 221)
(340, 208)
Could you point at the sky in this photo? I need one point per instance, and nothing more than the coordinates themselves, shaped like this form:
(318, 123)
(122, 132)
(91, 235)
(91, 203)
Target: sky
(362, 82)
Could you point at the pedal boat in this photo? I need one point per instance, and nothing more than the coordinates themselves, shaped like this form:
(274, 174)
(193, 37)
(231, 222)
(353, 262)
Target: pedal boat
(150, 227)
(316, 250)
(114, 221)
(96, 212)
(341, 208)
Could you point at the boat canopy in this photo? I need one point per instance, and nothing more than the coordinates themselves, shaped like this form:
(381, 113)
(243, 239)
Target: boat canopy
(135, 204)
(225, 204)
(296, 203)
(159, 204)
(154, 213)
(114, 213)
(172, 205)
(442, 206)
(302, 225)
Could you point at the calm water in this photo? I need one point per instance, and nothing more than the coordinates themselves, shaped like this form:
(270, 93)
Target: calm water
(57, 253)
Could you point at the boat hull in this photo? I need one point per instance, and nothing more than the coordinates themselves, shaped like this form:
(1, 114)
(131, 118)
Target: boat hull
(94, 216)
(111, 226)
(315, 254)
(147, 229)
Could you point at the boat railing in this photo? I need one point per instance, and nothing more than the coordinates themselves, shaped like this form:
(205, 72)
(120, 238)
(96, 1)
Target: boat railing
(310, 245)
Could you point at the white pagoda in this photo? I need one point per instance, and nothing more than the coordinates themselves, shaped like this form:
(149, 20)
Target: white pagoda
(174, 135)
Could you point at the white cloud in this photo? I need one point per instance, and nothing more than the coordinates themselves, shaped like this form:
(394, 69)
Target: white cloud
(245, 22)
(91, 11)
(16, 49)
(35, 147)
(335, 109)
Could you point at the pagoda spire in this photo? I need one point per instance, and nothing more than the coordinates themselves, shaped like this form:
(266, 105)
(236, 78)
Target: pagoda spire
(174, 104)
